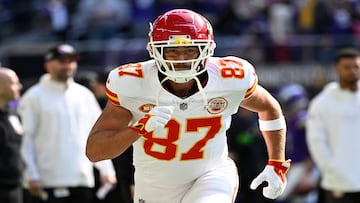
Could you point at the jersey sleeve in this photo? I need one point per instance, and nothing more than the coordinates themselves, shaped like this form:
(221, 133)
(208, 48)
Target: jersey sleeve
(125, 81)
(252, 78)
(110, 88)
(240, 69)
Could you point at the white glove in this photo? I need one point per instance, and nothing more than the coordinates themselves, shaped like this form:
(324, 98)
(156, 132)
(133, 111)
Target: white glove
(157, 117)
(274, 174)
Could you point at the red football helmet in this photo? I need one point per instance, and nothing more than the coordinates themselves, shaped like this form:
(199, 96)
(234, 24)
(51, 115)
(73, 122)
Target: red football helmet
(181, 27)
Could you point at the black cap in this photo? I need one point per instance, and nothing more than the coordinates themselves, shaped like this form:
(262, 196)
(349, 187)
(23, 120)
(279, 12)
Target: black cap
(61, 51)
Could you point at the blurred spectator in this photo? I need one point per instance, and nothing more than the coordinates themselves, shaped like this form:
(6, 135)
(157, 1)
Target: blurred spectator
(6, 12)
(306, 16)
(341, 19)
(23, 15)
(143, 10)
(341, 24)
(319, 27)
(303, 177)
(11, 163)
(236, 17)
(102, 19)
(98, 87)
(59, 18)
(57, 115)
(6, 15)
(332, 130)
(281, 16)
(85, 78)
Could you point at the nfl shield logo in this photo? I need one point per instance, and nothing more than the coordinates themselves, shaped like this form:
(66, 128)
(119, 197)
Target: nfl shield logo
(183, 106)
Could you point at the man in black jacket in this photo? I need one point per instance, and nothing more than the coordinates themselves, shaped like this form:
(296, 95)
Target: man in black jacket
(11, 164)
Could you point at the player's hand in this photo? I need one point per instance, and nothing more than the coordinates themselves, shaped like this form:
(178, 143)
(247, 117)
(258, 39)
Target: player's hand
(157, 117)
(274, 174)
(35, 189)
(107, 179)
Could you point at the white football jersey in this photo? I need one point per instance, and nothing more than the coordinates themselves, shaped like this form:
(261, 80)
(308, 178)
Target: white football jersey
(194, 140)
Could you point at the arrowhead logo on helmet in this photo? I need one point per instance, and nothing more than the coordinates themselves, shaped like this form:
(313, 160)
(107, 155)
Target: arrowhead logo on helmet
(181, 40)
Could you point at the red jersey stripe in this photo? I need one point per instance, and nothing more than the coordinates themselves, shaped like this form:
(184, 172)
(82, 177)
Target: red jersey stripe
(252, 88)
(113, 98)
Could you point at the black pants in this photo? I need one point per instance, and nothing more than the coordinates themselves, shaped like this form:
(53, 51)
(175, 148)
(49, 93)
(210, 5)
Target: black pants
(119, 194)
(345, 198)
(11, 195)
(76, 195)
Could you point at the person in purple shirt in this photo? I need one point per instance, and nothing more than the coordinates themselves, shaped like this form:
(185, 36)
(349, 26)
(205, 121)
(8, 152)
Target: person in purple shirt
(303, 177)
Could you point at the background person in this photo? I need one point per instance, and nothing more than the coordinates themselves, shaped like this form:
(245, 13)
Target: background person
(303, 177)
(57, 115)
(11, 163)
(332, 130)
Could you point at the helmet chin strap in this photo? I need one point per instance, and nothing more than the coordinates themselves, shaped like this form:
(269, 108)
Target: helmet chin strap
(198, 84)
(202, 92)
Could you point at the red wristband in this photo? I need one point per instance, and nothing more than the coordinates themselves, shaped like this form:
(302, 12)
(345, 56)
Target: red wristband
(139, 126)
(280, 167)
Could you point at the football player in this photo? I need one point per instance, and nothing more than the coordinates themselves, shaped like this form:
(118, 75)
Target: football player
(175, 110)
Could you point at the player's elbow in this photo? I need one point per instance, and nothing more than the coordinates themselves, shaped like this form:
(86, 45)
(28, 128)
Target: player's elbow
(94, 157)
(92, 154)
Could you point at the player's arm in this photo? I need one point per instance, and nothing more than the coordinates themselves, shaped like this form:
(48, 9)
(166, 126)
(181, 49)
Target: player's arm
(273, 128)
(268, 109)
(110, 135)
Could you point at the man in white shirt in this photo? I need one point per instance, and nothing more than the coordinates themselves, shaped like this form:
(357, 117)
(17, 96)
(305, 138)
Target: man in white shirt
(57, 115)
(333, 129)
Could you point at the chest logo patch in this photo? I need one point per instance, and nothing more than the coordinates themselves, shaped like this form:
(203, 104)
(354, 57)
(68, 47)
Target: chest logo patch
(146, 107)
(217, 105)
(183, 106)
